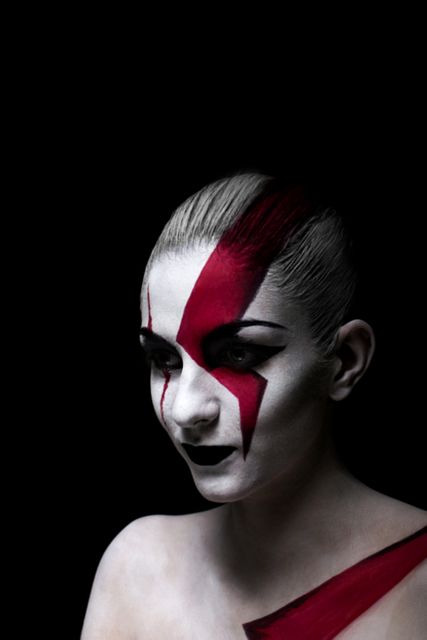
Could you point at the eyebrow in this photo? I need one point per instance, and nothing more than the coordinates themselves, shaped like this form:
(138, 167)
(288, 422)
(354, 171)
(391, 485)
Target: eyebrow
(223, 331)
(152, 337)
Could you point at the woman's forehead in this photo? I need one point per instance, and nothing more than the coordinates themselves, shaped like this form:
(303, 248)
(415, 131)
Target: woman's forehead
(172, 279)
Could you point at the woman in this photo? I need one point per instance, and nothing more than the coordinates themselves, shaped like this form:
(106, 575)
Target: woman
(247, 323)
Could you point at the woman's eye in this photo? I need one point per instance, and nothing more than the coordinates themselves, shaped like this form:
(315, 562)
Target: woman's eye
(237, 355)
(243, 356)
(164, 360)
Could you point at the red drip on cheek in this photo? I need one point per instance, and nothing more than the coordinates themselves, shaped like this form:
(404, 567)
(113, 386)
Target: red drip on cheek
(150, 320)
(167, 375)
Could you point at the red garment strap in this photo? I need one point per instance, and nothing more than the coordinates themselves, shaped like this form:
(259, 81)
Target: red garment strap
(323, 612)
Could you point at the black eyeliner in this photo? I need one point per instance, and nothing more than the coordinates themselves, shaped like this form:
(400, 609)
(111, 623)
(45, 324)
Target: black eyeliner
(152, 345)
(257, 354)
(216, 342)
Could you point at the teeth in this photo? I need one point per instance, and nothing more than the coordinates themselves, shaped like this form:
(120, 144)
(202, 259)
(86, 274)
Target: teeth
(207, 455)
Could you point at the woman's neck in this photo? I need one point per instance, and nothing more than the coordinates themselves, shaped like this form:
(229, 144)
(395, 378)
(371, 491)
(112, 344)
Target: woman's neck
(283, 522)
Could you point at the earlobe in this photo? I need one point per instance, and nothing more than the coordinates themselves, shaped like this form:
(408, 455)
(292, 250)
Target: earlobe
(354, 349)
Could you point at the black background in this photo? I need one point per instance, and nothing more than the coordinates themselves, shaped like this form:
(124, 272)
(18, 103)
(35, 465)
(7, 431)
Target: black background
(113, 167)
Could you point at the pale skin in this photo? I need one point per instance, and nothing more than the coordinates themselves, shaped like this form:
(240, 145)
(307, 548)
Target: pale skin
(292, 516)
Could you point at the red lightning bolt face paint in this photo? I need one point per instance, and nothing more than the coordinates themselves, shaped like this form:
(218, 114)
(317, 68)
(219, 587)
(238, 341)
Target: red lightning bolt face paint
(228, 283)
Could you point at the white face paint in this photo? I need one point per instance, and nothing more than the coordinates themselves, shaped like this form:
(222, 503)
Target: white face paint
(198, 409)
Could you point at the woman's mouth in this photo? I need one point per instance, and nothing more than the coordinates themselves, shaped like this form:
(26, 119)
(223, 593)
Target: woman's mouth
(207, 455)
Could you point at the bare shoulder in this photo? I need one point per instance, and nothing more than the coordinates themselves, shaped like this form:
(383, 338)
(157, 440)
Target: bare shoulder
(405, 613)
(136, 545)
(400, 614)
(389, 519)
(408, 617)
(136, 559)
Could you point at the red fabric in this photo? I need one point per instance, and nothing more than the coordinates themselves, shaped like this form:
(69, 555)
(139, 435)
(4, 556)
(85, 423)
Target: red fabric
(325, 611)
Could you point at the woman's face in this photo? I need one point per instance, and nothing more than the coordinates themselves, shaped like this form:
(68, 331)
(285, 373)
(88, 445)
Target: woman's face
(243, 398)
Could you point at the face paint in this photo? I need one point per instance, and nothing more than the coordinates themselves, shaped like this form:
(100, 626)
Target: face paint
(166, 373)
(228, 283)
(150, 320)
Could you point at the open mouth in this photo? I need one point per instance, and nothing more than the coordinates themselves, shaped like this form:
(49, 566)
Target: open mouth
(207, 455)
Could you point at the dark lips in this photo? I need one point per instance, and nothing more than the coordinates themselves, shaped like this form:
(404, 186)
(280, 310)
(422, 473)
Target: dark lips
(207, 455)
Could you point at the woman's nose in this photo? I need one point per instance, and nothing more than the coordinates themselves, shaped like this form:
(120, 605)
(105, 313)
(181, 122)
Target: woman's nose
(195, 403)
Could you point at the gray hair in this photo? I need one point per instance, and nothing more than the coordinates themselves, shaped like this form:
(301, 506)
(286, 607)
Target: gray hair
(314, 269)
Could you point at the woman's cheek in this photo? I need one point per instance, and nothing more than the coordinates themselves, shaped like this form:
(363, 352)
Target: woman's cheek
(289, 390)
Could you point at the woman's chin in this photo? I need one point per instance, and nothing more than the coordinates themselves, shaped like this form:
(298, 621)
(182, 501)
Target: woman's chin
(220, 489)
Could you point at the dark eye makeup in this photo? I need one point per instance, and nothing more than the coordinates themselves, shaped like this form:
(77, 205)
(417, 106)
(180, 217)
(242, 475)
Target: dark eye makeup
(238, 354)
(162, 359)
(158, 352)
(232, 352)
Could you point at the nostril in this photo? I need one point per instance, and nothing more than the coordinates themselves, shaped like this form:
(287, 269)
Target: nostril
(202, 420)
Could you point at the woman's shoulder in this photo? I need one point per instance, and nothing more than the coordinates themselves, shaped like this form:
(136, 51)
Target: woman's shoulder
(146, 541)
(132, 570)
(410, 611)
(385, 519)
(148, 545)
(157, 531)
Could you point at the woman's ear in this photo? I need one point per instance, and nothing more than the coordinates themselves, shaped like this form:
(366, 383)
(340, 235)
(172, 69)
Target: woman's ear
(354, 349)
